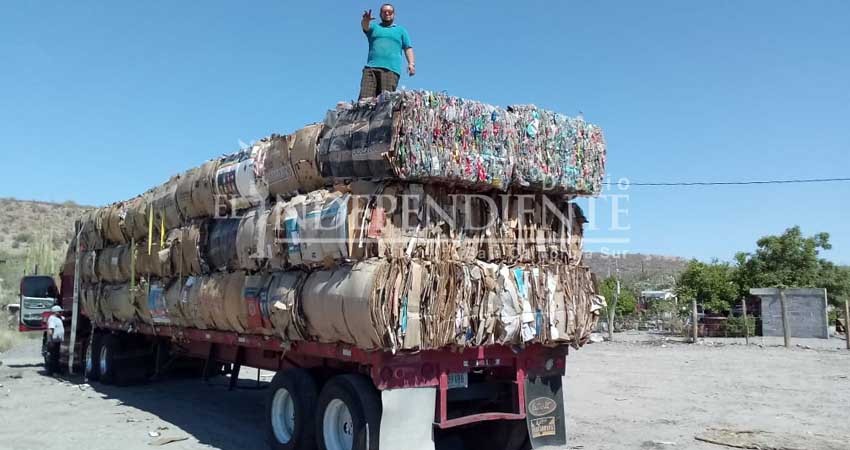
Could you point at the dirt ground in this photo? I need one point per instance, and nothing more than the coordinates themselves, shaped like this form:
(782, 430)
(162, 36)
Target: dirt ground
(639, 392)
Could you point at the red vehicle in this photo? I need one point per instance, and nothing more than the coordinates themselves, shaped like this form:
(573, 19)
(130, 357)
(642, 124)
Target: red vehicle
(338, 397)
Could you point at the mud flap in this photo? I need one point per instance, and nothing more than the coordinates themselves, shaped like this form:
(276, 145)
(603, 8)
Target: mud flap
(407, 420)
(544, 405)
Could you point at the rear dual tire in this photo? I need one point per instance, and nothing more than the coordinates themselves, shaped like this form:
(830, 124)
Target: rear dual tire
(290, 411)
(92, 360)
(107, 359)
(345, 416)
(349, 414)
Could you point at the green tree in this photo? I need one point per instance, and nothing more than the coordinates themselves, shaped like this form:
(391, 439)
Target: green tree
(712, 285)
(789, 259)
(792, 260)
(836, 280)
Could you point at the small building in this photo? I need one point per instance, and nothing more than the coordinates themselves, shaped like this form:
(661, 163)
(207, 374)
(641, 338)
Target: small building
(807, 313)
(648, 297)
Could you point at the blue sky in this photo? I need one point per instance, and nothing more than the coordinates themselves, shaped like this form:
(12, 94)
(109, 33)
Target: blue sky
(102, 100)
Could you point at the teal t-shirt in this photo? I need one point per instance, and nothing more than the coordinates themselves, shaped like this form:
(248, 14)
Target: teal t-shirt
(386, 45)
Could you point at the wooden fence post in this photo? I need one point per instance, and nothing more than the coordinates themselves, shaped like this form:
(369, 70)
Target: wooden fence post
(695, 321)
(847, 322)
(746, 324)
(786, 328)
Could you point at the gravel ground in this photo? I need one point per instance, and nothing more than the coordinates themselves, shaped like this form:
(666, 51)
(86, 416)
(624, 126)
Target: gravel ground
(639, 392)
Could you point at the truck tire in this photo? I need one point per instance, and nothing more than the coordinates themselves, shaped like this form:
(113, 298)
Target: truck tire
(349, 414)
(108, 360)
(91, 363)
(290, 411)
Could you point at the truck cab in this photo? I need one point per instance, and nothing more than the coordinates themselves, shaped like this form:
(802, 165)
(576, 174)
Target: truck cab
(38, 293)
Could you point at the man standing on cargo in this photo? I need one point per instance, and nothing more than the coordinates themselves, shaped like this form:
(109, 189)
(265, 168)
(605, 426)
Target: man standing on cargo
(386, 43)
(55, 336)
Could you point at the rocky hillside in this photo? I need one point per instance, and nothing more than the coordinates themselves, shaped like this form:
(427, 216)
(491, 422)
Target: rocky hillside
(651, 271)
(32, 234)
(23, 223)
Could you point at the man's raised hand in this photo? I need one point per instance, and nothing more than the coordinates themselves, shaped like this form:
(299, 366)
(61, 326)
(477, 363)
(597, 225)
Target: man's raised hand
(366, 22)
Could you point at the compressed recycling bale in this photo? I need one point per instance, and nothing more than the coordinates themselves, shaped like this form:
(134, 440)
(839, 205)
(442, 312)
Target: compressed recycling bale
(221, 244)
(164, 201)
(183, 194)
(88, 261)
(250, 241)
(91, 230)
(272, 230)
(190, 297)
(153, 261)
(235, 310)
(89, 302)
(175, 251)
(113, 218)
(211, 301)
(432, 137)
(113, 264)
(557, 152)
(237, 182)
(203, 190)
(277, 168)
(255, 299)
(191, 240)
(302, 156)
(140, 298)
(282, 302)
(157, 303)
(338, 304)
(118, 302)
(136, 218)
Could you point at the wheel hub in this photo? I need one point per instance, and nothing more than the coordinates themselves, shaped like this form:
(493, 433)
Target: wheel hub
(283, 416)
(338, 426)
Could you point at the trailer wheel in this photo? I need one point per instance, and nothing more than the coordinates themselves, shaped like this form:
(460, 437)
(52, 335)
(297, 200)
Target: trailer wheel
(107, 360)
(92, 362)
(290, 411)
(349, 414)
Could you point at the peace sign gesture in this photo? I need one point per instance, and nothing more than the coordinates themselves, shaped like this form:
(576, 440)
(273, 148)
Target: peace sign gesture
(367, 18)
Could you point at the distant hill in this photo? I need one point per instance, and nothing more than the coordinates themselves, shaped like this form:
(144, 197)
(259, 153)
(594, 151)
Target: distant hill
(651, 271)
(22, 222)
(33, 233)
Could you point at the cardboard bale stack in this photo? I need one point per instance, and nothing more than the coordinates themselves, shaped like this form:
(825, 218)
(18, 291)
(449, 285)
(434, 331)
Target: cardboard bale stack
(410, 221)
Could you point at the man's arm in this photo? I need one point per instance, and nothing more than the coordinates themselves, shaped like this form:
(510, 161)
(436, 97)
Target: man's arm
(411, 61)
(366, 22)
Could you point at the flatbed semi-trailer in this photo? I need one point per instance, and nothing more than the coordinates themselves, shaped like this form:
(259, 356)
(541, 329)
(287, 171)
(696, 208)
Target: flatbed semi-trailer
(335, 396)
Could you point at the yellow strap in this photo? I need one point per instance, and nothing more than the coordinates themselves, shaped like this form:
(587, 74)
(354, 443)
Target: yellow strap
(162, 231)
(150, 231)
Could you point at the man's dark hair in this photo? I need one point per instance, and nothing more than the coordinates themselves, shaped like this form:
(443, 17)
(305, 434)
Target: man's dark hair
(387, 4)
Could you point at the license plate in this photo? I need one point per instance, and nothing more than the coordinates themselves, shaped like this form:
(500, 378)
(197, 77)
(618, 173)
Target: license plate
(458, 380)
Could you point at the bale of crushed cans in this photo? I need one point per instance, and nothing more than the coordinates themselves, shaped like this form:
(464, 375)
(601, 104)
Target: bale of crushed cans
(435, 138)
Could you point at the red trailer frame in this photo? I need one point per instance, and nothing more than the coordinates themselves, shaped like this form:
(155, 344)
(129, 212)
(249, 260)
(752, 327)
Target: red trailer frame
(512, 367)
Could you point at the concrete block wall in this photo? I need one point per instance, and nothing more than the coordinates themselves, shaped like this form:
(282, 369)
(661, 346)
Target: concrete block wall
(807, 316)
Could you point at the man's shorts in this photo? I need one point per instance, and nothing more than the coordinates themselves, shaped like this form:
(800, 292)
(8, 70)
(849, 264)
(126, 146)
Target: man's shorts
(377, 80)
